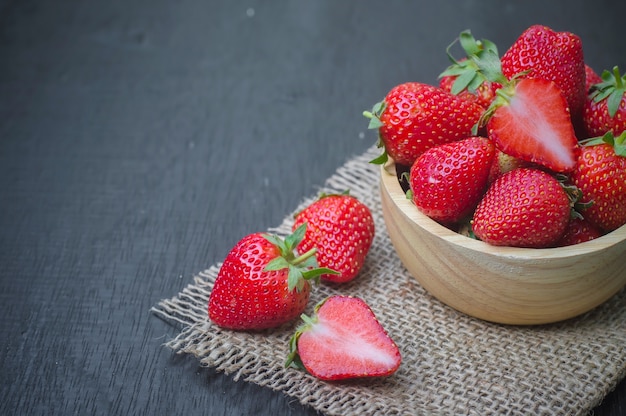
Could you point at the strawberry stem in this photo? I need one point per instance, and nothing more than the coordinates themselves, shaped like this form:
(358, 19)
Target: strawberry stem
(304, 257)
(301, 268)
(618, 78)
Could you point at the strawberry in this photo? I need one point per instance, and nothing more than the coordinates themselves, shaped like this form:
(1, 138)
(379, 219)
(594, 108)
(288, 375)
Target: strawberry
(341, 228)
(448, 180)
(523, 208)
(262, 284)
(591, 78)
(529, 120)
(605, 107)
(343, 340)
(578, 231)
(553, 56)
(600, 174)
(415, 117)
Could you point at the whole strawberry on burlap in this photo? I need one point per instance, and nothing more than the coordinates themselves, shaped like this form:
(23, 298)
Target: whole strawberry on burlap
(343, 340)
(262, 283)
(341, 228)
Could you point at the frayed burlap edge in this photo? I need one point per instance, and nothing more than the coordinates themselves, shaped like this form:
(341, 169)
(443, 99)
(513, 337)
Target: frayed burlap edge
(452, 363)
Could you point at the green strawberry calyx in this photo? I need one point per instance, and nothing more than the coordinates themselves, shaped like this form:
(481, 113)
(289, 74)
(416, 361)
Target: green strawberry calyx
(375, 124)
(293, 358)
(481, 63)
(302, 267)
(618, 143)
(575, 196)
(612, 88)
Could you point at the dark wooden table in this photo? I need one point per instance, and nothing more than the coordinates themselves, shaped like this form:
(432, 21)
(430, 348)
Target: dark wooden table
(139, 140)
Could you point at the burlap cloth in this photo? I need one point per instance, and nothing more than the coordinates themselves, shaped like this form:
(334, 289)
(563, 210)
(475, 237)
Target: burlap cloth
(452, 363)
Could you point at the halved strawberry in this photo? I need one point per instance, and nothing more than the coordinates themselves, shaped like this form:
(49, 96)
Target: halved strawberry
(343, 340)
(530, 120)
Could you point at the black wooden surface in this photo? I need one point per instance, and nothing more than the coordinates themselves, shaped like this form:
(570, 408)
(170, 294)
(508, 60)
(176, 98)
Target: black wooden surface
(140, 139)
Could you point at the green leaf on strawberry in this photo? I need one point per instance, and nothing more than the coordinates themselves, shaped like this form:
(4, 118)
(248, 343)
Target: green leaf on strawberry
(480, 64)
(612, 88)
(618, 143)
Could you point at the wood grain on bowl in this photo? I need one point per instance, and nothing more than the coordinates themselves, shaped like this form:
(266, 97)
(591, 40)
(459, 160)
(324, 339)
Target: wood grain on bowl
(507, 285)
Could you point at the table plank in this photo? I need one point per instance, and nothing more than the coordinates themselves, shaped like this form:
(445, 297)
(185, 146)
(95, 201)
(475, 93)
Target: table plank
(139, 140)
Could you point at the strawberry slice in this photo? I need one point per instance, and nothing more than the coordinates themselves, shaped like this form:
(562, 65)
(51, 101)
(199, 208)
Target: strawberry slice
(343, 340)
(530, 120)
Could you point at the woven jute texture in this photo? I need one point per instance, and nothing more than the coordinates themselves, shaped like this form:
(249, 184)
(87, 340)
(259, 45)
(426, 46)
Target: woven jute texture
(452, 363)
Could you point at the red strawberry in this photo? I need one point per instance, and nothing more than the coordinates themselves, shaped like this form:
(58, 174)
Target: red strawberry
(341, 228)
(578, 231)
(415, 117)
(447, 181)
(529, 120)
(261, 283)
(591, 78)
(343, 340)
(605, 107)
(523, 208)
(600, 174)
(553, 56)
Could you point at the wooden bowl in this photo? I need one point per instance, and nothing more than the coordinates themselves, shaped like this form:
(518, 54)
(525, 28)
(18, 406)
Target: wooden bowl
(522, 286)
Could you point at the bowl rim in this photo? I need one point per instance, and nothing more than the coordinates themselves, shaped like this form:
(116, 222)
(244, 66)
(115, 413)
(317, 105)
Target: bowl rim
(390, 183)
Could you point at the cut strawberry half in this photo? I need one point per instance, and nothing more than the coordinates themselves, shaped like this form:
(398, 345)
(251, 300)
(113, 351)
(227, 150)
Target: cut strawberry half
(343, 340)
(530, 120)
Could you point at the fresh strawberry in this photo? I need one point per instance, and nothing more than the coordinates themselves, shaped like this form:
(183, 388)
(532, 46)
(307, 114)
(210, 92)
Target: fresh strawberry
(466, 77)
(600, 174)
(341, 228)
(553, 56)
(591, 78)
(448, 180)
(415, 117)
(261, 283)
(605, 107)
(578, 231)
(523, 208)
(503, 163)
(343, 340)
(529, 120)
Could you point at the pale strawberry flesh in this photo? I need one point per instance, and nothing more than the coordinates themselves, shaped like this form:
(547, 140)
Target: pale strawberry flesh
(535, 126)
(346, 341)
